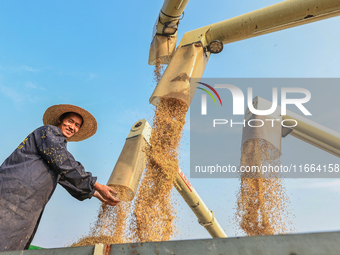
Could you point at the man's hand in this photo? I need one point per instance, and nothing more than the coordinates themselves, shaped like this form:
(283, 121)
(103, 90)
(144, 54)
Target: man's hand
(104, 194)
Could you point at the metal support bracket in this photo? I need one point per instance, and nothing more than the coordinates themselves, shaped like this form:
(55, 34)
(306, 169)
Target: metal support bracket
(208, 223)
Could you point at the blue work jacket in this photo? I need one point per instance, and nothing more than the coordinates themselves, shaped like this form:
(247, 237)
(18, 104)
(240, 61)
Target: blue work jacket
(28, 178)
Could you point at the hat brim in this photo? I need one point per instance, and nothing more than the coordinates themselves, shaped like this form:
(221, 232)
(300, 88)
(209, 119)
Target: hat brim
(87, 129)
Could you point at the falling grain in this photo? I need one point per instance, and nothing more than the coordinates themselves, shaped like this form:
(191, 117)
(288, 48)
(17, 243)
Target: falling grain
(154, 212)
(158, 71)
(109, 227)
(262, 203)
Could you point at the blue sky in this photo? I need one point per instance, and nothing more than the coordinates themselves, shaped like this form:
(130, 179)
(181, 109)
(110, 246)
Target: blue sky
(95, 55)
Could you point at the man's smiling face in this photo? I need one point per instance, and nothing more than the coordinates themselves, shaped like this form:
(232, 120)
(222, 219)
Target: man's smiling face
(70, 124)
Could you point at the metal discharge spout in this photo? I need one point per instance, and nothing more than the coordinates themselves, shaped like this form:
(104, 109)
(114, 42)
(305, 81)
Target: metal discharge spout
(188, 62)
(128, 170)
(164, 36)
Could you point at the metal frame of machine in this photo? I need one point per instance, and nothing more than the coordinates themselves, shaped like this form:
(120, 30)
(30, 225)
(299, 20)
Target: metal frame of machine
(306, 130)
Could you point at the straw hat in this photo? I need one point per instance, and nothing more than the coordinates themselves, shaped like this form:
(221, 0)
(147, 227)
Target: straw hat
(88, 128)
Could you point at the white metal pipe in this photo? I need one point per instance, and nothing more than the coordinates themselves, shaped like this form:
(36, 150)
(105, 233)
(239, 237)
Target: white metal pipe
(283, 15)
(306, 130)
(313, 133)
(172, 9)
(205, 216)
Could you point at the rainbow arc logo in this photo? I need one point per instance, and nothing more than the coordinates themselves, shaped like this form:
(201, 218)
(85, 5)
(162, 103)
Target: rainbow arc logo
(209, 93)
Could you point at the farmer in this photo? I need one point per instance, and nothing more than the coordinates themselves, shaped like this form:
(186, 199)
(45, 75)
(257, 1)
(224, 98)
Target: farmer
(29, 176)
